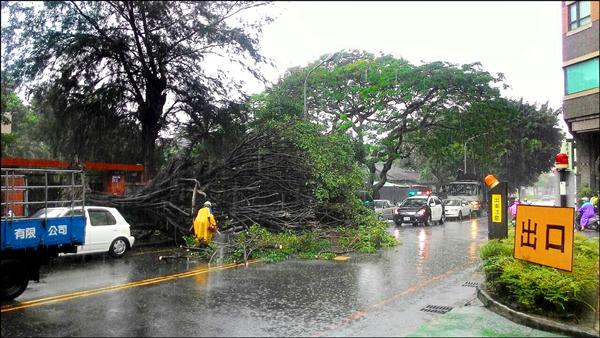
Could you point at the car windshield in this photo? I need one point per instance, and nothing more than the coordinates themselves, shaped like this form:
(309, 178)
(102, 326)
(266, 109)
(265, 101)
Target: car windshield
(452, 202)
(43, 212)
(413, 202)
(466, 189)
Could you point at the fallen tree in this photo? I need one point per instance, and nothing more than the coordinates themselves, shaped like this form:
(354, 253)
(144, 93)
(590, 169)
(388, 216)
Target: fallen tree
(282, 177)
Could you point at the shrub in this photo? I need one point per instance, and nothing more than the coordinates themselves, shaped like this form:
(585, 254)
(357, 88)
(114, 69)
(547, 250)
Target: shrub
(369, 236)
(541, 289)
(189, 240)
(585, 191)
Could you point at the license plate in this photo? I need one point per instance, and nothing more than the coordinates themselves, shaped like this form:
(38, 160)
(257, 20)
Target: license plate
(407, 218)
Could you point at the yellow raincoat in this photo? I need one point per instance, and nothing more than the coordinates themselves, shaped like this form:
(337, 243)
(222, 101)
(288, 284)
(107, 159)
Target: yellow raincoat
(201, 225)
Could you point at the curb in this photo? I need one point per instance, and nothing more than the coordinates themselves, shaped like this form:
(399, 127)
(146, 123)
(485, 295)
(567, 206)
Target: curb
(533, 321)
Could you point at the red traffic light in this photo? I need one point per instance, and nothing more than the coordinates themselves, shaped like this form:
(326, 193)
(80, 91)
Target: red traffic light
(561, 161)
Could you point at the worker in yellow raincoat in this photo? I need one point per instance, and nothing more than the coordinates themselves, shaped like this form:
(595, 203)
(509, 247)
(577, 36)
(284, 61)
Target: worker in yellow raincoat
(205, 224)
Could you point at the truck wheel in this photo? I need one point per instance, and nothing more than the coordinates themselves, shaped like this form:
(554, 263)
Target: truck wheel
(118, 247)
(14, 278)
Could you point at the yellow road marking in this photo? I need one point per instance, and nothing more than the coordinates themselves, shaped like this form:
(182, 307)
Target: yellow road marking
(86, 293)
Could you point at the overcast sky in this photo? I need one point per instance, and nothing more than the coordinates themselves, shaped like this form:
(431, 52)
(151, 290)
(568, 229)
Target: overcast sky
(520, 39)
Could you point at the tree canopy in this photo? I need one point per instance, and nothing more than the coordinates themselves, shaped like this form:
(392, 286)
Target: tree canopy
(513, 139)
(380, 100)
(146, 60)
(532, 141)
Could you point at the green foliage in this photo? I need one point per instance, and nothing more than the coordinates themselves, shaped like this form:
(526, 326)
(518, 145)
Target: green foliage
(584, 191)
(335, 175)
(378, 100)
(143, 51)
(189, 240)
(533, 139)
(369, 236)
(259, 243)
(25, 138)
(334, 178)
(85, 124)
(441, 149)
(541, 289)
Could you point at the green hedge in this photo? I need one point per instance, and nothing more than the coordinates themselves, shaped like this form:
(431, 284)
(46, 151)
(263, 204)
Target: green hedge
(541, 289)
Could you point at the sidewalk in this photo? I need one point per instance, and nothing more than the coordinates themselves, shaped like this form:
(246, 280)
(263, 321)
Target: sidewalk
(476, 321)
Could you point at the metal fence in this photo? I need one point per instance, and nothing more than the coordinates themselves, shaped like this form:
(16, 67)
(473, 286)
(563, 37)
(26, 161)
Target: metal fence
(25, 191)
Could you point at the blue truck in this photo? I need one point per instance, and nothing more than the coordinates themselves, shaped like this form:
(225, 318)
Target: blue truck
(27, 243)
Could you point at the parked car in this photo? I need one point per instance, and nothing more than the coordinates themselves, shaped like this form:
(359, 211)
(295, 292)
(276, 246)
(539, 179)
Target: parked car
(420, 210)
(384, 208)
(105, 231)
(457, 208)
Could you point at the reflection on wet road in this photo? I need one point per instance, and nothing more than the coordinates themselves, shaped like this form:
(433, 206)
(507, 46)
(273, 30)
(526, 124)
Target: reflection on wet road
(365, 295)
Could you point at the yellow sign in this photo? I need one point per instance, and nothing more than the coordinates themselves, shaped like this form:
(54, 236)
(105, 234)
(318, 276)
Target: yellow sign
(496, 208)
(544, 235)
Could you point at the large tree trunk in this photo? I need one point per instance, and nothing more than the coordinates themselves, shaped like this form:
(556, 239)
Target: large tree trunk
(150, 118)
(382, 176)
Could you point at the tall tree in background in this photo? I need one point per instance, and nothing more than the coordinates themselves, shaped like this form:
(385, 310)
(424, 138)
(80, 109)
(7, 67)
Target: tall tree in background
(532, 142)
(24, 140)
(86, 124)
(152, 53)
(483, 126)
(379, 100)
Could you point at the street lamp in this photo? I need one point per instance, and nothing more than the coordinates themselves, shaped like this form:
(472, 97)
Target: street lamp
(306, 79)
(465, 151)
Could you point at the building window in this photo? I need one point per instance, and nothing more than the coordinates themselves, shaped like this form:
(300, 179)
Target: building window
(579, 14)
(581, 76)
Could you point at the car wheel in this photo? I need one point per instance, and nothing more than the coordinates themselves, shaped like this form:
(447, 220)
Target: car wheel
(118, 247)
(14, 278)
(460, 215)
(442, 219)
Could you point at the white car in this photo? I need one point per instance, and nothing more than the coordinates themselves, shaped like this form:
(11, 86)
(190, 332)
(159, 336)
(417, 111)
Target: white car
(457, 208)
(105, 229)
(384, 208)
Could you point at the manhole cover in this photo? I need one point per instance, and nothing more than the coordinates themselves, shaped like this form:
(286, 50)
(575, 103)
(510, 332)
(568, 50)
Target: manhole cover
(471, 284)
(437, 308)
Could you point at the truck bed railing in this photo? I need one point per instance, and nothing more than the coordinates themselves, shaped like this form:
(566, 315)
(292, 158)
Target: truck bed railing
(52, 183)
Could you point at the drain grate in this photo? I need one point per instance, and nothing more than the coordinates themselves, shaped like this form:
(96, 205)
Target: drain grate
(471, 284)
(437, 308)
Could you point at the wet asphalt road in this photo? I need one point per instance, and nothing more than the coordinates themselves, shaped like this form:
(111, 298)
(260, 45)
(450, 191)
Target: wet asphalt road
(367, 295)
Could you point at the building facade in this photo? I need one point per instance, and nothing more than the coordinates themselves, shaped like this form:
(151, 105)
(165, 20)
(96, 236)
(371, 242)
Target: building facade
(581, 107)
